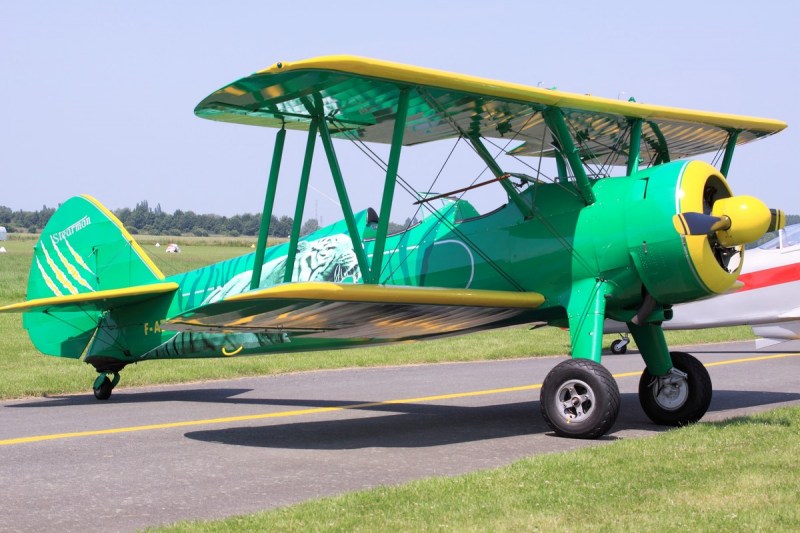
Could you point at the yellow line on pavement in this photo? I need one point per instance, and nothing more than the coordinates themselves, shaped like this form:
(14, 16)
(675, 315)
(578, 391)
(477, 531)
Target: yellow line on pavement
(316, 410)
(261, 416)
(753, 359)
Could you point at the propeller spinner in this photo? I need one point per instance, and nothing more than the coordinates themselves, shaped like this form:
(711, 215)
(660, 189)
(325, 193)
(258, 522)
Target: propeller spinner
(734, 220)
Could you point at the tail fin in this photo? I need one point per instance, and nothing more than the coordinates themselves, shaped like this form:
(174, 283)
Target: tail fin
(83, 249)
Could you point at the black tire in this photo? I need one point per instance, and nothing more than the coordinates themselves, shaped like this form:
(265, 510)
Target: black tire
(103, 392)
(579, 399)
(617, 347)
(679, 403)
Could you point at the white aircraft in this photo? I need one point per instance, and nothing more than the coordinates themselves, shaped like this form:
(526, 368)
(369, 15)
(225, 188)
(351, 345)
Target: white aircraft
(767, 297)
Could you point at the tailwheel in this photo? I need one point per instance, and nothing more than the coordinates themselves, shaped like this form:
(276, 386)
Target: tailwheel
(680, 397)
(103, 386)
(620, 346)
(580, 399)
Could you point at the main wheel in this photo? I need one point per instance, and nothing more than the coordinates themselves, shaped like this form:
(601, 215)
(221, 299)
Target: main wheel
(580, 399)
(679, 398)
(103, 392)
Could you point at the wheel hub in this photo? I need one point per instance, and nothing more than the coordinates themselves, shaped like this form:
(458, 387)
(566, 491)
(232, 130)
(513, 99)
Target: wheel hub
(575, 400)
(672, 390)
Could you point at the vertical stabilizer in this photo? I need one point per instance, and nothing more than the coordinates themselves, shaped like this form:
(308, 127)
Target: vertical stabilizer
(84, 248)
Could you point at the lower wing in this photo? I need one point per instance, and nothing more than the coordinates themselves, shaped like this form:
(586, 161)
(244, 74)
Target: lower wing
(333, 310)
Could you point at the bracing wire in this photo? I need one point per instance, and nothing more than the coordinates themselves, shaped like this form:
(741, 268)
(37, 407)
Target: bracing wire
(441, 218)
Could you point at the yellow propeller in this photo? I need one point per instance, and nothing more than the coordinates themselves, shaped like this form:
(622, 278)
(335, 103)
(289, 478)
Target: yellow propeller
(735, 220)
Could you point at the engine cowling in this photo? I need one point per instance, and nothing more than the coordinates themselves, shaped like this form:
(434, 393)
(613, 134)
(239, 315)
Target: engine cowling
(687, 231)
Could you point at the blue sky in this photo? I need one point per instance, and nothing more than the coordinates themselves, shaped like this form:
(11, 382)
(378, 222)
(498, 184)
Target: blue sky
(98, 96)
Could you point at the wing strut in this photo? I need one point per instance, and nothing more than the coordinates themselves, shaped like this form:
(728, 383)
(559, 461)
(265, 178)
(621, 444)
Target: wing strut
(634, 145)
(558, 127)
(660, 145)
(266, 214)
(341, 190)
(726, 159)
(513, 195)
(302, 192)
(388, 186)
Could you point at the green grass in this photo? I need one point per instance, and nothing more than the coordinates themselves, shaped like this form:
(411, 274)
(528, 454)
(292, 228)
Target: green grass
(738, 475)
(26, 373)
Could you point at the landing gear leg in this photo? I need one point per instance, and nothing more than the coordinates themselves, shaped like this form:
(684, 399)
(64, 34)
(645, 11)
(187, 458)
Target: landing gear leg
(103, 386)
(580, 398)
(675, 388)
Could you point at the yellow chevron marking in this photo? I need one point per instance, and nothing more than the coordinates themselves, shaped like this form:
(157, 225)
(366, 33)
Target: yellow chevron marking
(59, 275)
(72, 270)
(47, 280)
(78, 258)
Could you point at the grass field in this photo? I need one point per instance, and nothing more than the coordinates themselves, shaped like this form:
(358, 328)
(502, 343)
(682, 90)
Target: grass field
(726, 476)
(26, 373)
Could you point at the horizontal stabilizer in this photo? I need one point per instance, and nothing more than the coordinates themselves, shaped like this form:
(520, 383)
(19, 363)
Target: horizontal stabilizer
(794, 313)
(762, 342)
(776, 332)
(333, 310)
(96, 300)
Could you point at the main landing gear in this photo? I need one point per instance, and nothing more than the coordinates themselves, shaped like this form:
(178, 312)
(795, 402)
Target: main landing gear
(679, 398)
(580, 398)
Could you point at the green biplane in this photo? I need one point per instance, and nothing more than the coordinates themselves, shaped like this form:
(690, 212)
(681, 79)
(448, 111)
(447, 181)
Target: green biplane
(567, 251)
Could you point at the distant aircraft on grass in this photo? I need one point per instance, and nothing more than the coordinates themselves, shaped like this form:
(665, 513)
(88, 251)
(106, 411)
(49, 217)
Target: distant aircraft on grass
(569, 250)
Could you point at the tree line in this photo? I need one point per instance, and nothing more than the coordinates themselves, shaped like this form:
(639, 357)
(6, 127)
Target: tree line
(154, 221)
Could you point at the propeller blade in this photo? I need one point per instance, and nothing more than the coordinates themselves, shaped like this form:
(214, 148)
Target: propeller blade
(777, 220)
(699, 224)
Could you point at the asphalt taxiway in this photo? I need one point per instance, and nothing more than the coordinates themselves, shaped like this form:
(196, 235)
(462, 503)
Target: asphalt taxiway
(155, 455)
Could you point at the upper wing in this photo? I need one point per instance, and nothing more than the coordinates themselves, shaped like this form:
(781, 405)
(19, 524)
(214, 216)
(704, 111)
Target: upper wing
(360, 96)
(333, 310)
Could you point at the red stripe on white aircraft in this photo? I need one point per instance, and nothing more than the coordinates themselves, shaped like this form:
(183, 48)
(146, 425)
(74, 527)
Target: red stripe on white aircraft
(770, 277)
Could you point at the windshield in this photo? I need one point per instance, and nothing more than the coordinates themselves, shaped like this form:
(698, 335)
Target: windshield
(788, 236)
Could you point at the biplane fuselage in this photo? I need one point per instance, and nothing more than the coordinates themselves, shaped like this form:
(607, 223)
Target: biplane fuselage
(568, 251)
